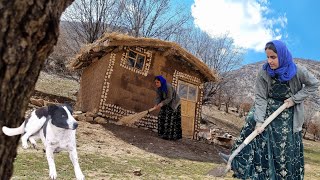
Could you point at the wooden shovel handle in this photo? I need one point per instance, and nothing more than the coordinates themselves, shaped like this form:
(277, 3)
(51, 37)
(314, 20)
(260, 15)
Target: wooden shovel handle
(254, 134)
(265, 123)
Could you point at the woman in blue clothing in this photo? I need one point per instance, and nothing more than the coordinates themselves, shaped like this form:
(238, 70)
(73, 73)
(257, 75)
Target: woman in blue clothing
(277, 152)
(169, 118)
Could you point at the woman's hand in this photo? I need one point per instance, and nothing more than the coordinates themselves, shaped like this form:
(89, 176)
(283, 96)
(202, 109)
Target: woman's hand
(259, 128)
(289, 102)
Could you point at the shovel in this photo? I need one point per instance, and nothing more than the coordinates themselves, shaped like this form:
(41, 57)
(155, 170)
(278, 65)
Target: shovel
(221, 171)
(134, 117)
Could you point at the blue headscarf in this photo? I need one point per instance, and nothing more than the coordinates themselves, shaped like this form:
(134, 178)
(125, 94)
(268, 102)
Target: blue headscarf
(287, 68)
(163, 82)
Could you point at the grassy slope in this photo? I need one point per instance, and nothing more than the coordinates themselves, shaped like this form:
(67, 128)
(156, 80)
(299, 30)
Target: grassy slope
(55, 85)
(97, 166)
(312, 159)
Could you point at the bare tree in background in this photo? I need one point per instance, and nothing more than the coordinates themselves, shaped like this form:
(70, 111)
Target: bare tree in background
(153, 18)
(56, 62)
(229, 91)
(86, 20)
(219, 54)
(223, 58)
(310, 111)
(314, 129)
(29, 30)
(82, 23)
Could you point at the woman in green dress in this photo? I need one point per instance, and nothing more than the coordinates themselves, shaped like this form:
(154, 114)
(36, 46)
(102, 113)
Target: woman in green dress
(277, 152)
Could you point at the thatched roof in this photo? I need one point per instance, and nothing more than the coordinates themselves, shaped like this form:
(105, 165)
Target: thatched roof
(111, 41)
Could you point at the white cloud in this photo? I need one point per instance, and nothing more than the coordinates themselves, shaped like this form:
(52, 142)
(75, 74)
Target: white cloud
(245, 21)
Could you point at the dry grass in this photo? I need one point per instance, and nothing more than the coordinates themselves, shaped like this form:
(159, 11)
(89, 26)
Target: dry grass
(312, 159)
(56, 85)
(230, 118)
(103, 155)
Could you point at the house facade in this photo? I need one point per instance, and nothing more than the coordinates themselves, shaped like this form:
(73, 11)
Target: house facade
(118, 79)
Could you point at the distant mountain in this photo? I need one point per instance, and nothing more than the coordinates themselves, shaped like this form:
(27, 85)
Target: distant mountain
(245, 77)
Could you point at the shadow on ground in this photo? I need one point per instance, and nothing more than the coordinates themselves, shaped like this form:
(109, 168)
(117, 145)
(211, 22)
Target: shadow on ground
(184, 148)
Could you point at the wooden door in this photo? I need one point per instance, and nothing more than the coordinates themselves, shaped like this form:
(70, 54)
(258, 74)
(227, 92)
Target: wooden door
(188, 94)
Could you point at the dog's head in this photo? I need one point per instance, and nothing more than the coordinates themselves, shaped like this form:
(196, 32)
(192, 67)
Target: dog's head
(61, 116)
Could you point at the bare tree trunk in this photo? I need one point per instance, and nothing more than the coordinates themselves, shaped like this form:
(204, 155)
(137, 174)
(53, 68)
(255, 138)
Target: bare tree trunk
(240, 114)
(307, 126)
(305, 132)
(227, 107)
(219, 101)
(29, 30)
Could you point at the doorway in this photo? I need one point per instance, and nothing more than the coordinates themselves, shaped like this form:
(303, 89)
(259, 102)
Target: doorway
(189, 94)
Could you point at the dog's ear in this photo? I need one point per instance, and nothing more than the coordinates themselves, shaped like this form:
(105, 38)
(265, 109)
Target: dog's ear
(69, 107)
(52, 108)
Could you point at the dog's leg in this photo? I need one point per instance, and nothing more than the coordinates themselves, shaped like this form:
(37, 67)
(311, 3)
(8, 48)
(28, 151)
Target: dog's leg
(32, 127)
(74, 159)
(33, 141)
(52, 166)
(28, 136)
(24, 140)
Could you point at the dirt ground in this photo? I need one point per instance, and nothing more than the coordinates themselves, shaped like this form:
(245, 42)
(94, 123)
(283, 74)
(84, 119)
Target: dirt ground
(114, 139)
(111, 138)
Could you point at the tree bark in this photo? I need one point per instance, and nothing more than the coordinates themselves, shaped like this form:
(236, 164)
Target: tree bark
(28, 31)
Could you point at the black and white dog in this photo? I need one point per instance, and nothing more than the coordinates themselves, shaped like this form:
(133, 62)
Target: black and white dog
(56, 127)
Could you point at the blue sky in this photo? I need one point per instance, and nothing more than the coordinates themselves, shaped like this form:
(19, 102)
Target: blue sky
(252, 23)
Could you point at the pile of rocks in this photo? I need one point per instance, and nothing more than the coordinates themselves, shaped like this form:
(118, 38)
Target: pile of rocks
(215, 136)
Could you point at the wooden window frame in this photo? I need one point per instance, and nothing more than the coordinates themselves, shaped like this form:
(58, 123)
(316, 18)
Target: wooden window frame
(138, 50)
(135, 59)
(188, 85)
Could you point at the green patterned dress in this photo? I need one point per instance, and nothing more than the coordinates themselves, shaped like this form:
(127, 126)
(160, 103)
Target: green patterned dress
(277, 153)
(169, 123)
